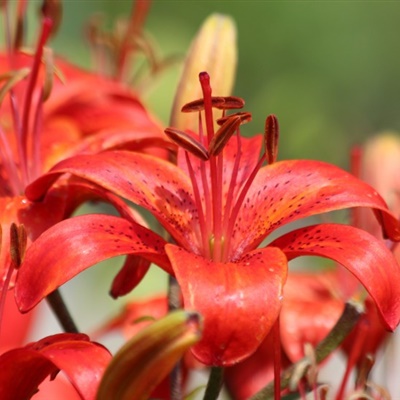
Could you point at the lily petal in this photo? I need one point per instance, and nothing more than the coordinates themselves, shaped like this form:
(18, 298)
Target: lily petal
(25, 368)
(376, 269)
(239, 301)
(289, 190)
(155, 184)
(77, 244)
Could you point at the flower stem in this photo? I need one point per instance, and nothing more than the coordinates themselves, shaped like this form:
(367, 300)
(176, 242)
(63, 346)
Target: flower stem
(61, 311)
(343, 327)
(214, 384)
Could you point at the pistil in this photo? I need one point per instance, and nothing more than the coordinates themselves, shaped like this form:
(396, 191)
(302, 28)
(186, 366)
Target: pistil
(216, 169)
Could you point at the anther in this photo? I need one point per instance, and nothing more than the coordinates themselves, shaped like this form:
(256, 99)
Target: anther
(245, 117)
(223, 134)
(18, 240)
(188, 143)
(271, 137)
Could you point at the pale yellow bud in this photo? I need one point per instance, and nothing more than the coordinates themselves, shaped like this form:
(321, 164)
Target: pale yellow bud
(214, 50)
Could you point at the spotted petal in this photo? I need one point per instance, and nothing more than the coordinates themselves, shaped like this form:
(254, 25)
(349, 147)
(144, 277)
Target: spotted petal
(361, 253)
(157, 185)
(76, 244)
(289, 190)
(239, 301)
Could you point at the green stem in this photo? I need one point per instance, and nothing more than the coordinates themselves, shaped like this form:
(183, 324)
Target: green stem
(214, 384)
(343, 327)
(61, 311)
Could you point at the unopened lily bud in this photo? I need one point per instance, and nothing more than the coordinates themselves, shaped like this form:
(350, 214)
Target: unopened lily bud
(214, 51)
(142, 363)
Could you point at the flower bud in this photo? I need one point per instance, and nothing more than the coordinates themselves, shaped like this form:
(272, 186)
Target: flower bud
(142, 363)
(214, 51)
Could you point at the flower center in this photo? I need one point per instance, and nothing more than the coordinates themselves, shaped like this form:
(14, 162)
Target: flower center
(214, 172)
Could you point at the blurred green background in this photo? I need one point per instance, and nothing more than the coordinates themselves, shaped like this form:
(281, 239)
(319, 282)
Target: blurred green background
(328, 69)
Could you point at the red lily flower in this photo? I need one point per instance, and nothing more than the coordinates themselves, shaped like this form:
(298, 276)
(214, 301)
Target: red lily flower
(314, 301)
(218, 204)
(36, 131)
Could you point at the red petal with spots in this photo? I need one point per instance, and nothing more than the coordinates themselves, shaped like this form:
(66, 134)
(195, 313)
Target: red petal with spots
(362, 254)
(239, 301)
(286, 191)
(23, 369)
(77, 244)
(157, 185)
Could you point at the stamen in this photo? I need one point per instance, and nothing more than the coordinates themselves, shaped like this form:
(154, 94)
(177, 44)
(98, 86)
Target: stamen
(241, 197)
(187, 142)
(198, 105)
(223, 135)
(271, 137)
(197, 197)
(230, 198)
(18, 240)
(222, 103)
(135, 26)
(231, 103)
(245, 117)
(46, 29)
(7, 157)
(35, 167)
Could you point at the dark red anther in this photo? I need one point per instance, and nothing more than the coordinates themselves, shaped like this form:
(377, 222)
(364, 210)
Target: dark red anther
(231, 103)
(223, 134)
(198, 105)
(222, 103)
(188, 143)
(271, 137)
(244, 116)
